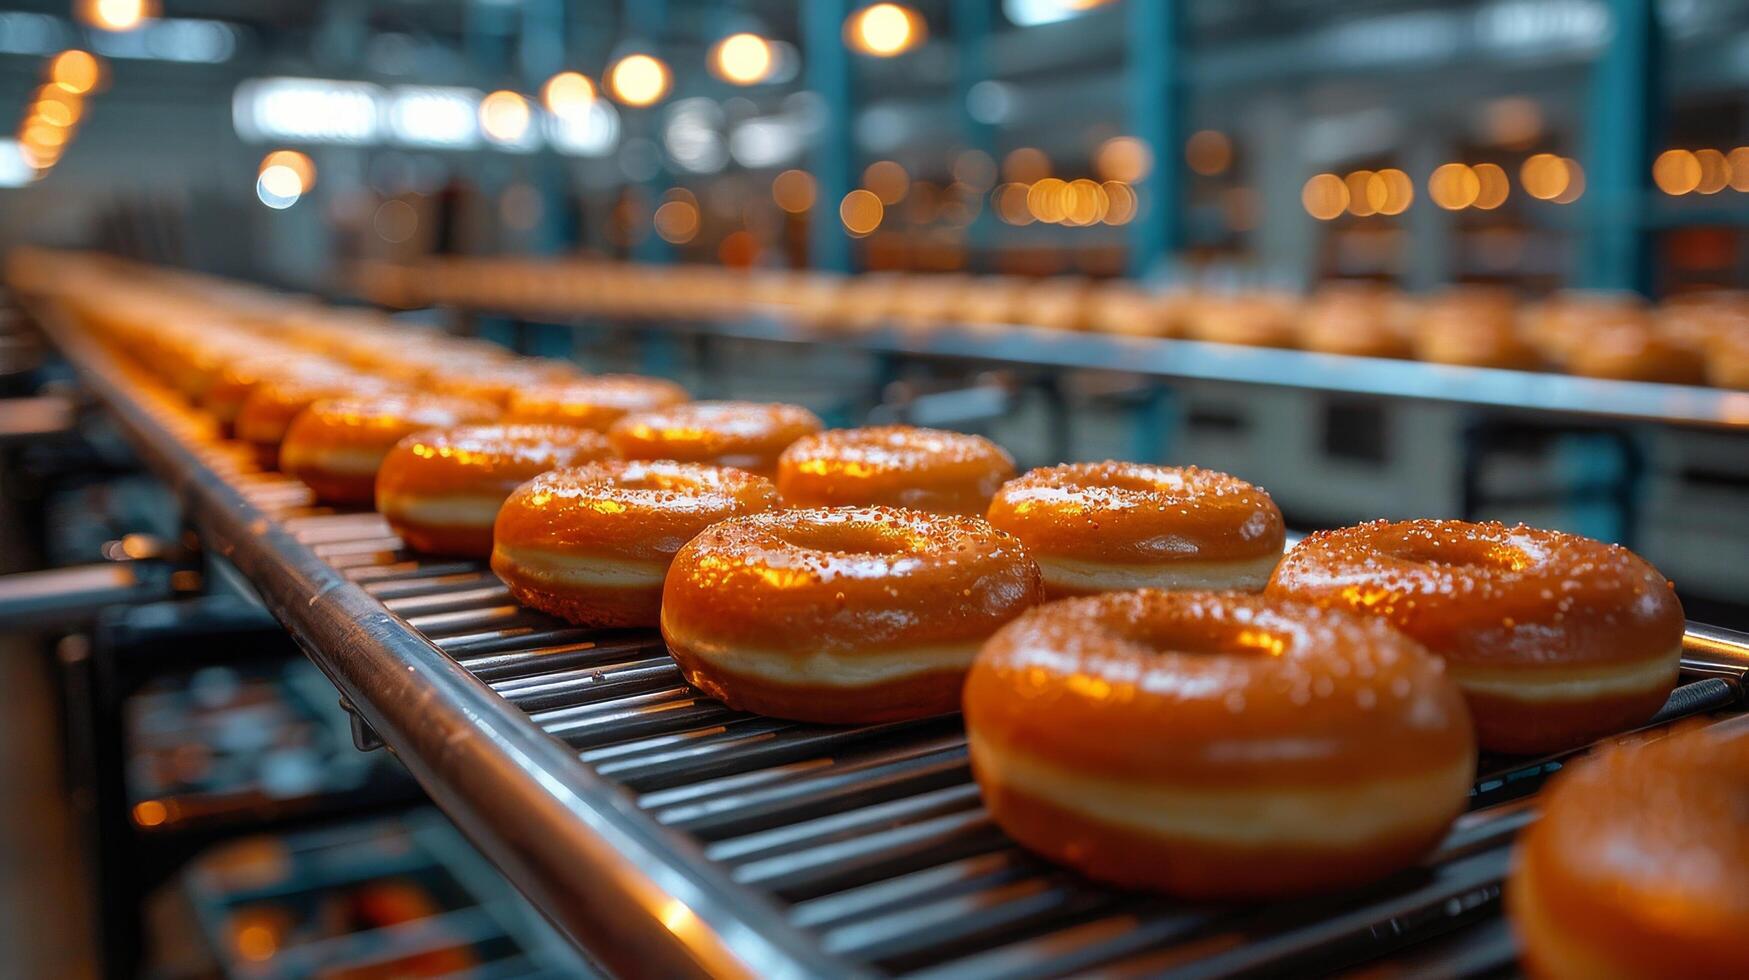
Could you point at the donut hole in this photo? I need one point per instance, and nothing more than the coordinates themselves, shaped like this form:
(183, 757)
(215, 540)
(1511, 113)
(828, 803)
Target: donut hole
(860, 537)
(1212, 639)
(1459, 553)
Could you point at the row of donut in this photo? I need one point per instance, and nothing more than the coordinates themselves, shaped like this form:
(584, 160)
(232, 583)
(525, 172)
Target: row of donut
(1316, 730)
(1695, 339)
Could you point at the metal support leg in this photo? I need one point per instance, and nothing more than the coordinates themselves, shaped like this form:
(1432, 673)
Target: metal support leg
(829, 76)
(1621, 133)
(1157, 118)
(1154, 422)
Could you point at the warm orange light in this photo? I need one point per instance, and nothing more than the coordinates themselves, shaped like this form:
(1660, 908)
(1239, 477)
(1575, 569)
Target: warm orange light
(888, 180)
(1367, 193)
(1085, 202)
(975, 169)
(117, 15)
(1208, 152)
(861, 211)
(793, 190)
(1009, 200)
(1492, 187)
(676, 222)
(79, 71)
(742, 59)
(1454, 186)
(885, 29)
(150, 813)
(1739, 163)
(1715, 171)
(639, 80)
(54, 113)
(1399, 191)
(1325, 196)
(568, 95)
(1544, 176)
(1120, 202)
(1123, 158)
(1575, 188)
(504, 116)
(1026, 165)
(299, 164)
(1676, 172)
(38, 133)
(1045, 200)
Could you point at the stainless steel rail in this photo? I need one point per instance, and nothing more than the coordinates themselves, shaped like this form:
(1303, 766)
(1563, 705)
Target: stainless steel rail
(670, 835)
(1517, 391)
(639, 898)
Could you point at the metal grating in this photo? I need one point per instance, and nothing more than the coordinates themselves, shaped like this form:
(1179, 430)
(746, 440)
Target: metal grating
(871, 842)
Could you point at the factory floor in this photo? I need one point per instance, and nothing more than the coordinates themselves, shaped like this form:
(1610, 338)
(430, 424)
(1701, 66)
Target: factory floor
(44, 918)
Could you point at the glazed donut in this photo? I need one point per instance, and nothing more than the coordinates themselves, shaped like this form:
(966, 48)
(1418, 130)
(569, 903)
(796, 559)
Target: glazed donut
(1630, 351)
(1727, 359)
(267, 412)
(224, 398)
(440, 491)
(1355, 320)
(1215, 745)
(1634, 870)
(842, 615)
(591, 544)
(1471, 326)
(593, 403)
(337, 445)
(745, 435)
(894, 465)
(1106, 527)
(1253, 321)
(497, 382)
(1555, 639)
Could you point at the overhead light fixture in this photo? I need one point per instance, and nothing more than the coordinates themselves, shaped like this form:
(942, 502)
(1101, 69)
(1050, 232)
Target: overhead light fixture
(885, 29)
(639, 80)
(117, 15)
(306, 110)
(743, 59)
(505, 117)
(568, 95)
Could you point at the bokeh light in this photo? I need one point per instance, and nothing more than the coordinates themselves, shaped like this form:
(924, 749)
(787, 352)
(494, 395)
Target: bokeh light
(742, 59)
(1676, 172)
(1738, 159)
(568, 95)
(1454, 186)
(1045, 200)
(1544, 176)
(885, 29)
(1120, 203)
(77, 71)
(1715, 171)
(395, 221)
(1575, 188)
(504, 116)
(1399, 191)
(888, 180)
(794, 191)
(1009, 201)
(1324, 196)
(299, 164)
(117, 15)
(1124, 158)
(1367, 193)
(1208, 152)
(975, 169)
(1492, 187)
(639, 80)
(861, 211)
(676, 221)
(1026, 165)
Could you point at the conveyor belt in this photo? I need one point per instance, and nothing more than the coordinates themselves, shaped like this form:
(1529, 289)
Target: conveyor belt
(672, 836)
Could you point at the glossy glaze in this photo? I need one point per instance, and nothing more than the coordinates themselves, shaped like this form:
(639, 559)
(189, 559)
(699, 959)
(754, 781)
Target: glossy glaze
(593, 403)
(336, 445)
(1636, 868)
(1489, 598)
(496, 382)
(748, 435)
(894, 465)
(752, 606)
(592, 543)
(1106, 731)
(468, 464)
(1135, 513)
(268, 411)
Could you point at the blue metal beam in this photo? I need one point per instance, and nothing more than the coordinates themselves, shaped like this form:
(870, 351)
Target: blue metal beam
(830, 77)
(1621, 134)
(973, 21)
(1156, 98)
